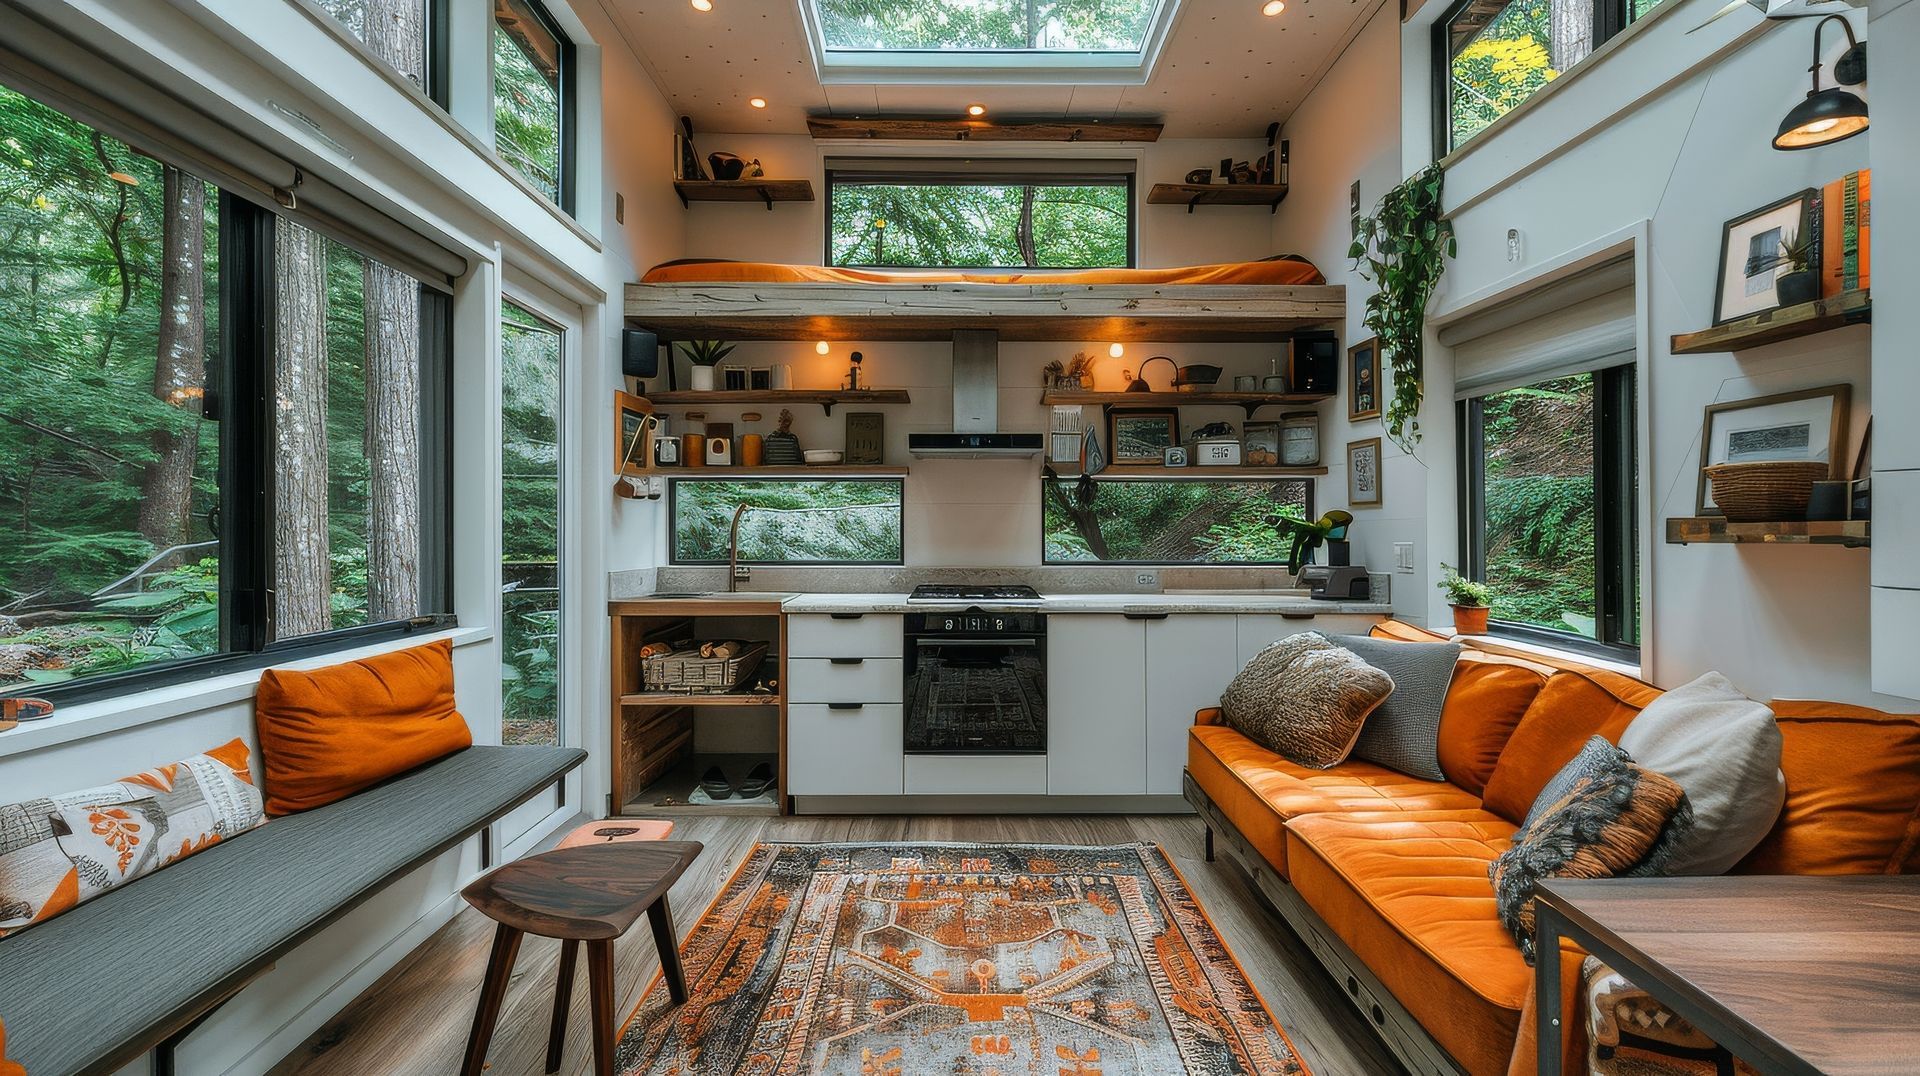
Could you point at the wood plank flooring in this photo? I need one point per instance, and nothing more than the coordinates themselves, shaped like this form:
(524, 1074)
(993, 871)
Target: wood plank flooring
(415, 1019)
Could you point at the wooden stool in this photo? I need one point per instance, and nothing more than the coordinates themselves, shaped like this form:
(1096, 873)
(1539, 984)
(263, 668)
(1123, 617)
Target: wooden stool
(617, 830)
(590, 894)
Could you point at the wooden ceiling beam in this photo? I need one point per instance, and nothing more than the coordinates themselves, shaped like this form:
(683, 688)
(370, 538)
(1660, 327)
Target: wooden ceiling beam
(935, 129)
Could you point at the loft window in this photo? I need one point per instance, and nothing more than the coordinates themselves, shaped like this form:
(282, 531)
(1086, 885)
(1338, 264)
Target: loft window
(944, 215)
(1491, 56)
(793, 521)
(1110, 41)
(407, 35)
(533, 91)
(224, 432)
(1548, 509)
(1171, 521)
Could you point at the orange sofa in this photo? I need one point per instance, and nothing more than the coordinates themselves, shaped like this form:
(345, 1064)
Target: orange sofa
(1385, 875)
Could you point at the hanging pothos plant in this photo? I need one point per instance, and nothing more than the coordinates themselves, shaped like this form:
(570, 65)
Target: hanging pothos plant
(1400, 250)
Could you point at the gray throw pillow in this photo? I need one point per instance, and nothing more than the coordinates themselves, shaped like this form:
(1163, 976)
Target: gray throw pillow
(1724, 749)
(1404, 733)
(1304, 699)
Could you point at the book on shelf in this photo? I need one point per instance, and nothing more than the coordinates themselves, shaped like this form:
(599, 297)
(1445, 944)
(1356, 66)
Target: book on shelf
(1846, 229)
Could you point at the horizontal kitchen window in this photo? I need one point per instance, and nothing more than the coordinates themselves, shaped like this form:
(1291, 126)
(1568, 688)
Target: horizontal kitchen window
(788, 521)
(1120, 520)
(980, 215)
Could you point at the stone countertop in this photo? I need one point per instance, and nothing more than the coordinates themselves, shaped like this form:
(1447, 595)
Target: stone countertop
(1224, 602)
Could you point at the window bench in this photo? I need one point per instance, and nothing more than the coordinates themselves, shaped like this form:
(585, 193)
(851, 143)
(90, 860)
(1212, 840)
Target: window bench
(138, 968)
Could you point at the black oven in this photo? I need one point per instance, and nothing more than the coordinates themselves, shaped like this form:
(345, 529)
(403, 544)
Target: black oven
(976, 683)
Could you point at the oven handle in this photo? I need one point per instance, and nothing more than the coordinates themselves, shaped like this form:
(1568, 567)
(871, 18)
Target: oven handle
(979, 644)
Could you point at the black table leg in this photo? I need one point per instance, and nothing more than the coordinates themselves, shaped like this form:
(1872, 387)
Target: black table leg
(661, 918)
(562, 999)
(1546, 989)
(506, 946)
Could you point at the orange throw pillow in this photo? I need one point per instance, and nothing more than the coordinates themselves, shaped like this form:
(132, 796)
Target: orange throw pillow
(329, 733)
(1484, 705)
(1853, 793)
(1570, 709)
(8, 1068)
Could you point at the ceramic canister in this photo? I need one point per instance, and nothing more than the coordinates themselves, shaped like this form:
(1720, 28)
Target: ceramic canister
(693, 450)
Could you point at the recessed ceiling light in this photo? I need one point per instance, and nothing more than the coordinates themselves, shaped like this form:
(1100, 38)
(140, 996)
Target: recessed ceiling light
(703, 5)
(1269, 9)
(757, 102)
(976, 110)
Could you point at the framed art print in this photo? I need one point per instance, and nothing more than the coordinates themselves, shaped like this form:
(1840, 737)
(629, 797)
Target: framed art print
(1142, 437)
(1752, 256)
(633, 426)
(1807, 426)
(1363, 473)
(1363, 380)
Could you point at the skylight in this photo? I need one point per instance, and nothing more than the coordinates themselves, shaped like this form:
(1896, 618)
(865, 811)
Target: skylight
(956, 41)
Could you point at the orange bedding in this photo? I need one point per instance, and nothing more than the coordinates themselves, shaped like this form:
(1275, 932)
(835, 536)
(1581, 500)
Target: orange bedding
(1286, 269)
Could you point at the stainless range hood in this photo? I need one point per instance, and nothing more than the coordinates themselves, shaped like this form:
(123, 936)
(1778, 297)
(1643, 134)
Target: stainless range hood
(976, 407)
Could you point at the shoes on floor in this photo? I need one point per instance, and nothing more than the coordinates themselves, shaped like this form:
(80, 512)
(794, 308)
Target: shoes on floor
(759, 779)
(715, 784)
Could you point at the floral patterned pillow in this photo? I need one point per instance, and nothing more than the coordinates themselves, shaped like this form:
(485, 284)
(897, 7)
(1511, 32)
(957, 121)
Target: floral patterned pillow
(59, 851)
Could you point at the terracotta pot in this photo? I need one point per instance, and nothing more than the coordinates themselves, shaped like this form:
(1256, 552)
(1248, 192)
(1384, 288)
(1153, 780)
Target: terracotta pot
(1470, 619)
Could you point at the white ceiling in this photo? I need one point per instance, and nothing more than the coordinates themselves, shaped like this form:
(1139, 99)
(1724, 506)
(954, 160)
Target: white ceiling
(1226, 72)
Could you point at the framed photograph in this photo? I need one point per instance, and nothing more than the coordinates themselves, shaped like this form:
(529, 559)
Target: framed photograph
(1807, 426)
(866, 437)
(1142, 437)
(1363, 380)
(1751, 258)
(633, 426)
(1363, 473)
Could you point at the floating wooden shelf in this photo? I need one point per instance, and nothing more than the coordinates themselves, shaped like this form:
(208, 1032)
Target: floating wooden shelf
(951, 130)
(1853, 533)
(1773, 326)
(867, 470)
(1248, 401)
(743, 190)
(1197, 194)
(669, 698)
(826, 398)
(1121, 470)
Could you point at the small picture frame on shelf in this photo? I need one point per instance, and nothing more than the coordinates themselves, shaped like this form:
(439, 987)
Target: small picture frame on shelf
(1753, 255)
(1806, 426)
(1142, 437)
(633, 427)
(1363, 473)
(866, 437)
(1363, 380)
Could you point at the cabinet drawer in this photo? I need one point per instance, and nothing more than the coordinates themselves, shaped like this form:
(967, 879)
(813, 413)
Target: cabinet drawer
(822, 635)
(844, 752)
(844, 679)
(970, 775)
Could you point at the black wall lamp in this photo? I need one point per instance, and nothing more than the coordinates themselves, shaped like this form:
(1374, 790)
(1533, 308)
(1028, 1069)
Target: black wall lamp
(1830, 115)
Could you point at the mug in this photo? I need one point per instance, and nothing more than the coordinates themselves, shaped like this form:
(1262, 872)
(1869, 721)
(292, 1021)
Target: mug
(1245, 383)
(1273, 383)
(782, 375)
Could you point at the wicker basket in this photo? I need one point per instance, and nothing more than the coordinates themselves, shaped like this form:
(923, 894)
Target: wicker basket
(687, 672)
(1764, 492)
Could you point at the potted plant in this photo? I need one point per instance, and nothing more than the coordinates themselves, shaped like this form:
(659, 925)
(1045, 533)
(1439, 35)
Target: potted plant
(704, 355)
(1801, 282)
(1469, 599)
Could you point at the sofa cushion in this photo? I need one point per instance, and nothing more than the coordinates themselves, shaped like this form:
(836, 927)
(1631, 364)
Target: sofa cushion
(1724, 749)
(331, 732)
(1853, 793)
(1305, 698)
(1259, 791)
(8, 1068)
(1404, 731)
(1488, 698)
(1572, 707)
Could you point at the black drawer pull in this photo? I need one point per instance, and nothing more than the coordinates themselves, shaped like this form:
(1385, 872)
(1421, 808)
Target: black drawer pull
(846, 706)
(1144, 616)
(846, 616)
(847, 661)
(1298, 616)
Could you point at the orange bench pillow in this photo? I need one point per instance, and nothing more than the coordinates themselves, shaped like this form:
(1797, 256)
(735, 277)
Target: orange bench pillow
(1485, 703)
(1853, 793)
(1570, 709)
(331, 732)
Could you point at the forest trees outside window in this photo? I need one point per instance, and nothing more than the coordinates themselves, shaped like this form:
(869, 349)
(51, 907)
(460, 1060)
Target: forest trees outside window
(530, 497)
(795, 521)
(980, 220)
(407, 35)
(1178, 521)
(533, 97)
(147, 405)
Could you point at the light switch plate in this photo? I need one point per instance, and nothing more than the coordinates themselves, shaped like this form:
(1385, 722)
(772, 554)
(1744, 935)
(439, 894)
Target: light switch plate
(1403, 557)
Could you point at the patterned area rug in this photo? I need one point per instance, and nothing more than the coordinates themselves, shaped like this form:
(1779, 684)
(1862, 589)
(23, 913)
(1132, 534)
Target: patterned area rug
(956, 960)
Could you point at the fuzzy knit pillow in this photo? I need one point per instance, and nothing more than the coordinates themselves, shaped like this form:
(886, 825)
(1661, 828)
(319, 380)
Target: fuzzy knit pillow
(1601, 816)
(1305, 698)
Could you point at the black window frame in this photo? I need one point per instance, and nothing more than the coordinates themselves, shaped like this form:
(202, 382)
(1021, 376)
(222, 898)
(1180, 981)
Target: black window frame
(673, 520)
(1610, 19)
(567, 94)
(982, 174)
(1110, 476)
(1616, 518)
(239, 398)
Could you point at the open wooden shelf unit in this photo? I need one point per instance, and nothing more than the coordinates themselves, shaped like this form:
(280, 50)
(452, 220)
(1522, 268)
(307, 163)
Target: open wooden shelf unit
(826, 398)
(1198, 194)
(814, 470)
(1687, 530)
(743, 190)
(1120, 470)
(1783, 323)
(1068, 398)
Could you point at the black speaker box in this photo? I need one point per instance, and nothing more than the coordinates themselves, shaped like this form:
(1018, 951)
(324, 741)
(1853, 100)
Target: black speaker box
(639, 353)
(1315, 364)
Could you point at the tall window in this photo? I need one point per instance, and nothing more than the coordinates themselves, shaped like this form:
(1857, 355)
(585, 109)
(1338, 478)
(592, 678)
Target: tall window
(1178, 521)
(530, 381)
(1549, 516)
(1491, 56)
(979, 220)
(533, 97)
(798, 521)
(213, 438)
(408, 35)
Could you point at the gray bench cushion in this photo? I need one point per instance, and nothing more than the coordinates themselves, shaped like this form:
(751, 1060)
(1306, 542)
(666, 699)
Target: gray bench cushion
(102, 983)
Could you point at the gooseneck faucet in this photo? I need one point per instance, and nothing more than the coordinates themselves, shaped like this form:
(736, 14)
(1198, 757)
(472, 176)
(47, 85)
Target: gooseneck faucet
(733, 548)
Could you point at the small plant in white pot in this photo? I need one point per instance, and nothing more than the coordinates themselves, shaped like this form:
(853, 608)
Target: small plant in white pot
(1469, 599)
(704, 355)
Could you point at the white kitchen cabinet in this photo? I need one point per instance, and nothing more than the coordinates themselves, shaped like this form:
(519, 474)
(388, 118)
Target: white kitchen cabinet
(845, 679)
(844, 635)
(1257, 630)
(846, 749)
(976, 775)
(1096, 705)
(1190, 659)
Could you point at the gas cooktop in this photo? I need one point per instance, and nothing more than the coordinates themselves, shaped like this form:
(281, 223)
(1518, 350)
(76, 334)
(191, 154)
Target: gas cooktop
(974, 592)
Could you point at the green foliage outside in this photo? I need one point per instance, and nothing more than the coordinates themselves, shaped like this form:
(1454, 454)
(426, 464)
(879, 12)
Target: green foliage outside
(980, 226)
(1173, 522)
(1503, 65)
(1054, 25)
(1539, 454)
(526, 114)
(530, 383)
(847, 521)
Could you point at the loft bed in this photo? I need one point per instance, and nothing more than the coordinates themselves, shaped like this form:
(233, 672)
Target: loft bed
(1240, 301)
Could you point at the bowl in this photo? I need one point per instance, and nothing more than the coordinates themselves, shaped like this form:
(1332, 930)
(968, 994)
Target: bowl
(823, 455)
(1198, 374)
(1766, 492)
